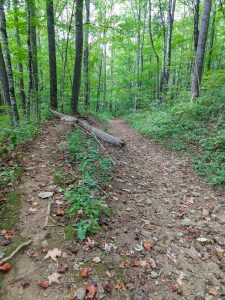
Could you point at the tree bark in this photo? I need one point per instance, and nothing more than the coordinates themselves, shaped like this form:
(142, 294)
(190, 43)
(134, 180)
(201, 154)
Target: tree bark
(52, 54)
(196, 23)
(20, 62)
(78, 57)
(154, 51)
(171, 11)
(200, 53)
(34, 59)
(86, 56)
(8, 63)
(211, 42)
(5, 86)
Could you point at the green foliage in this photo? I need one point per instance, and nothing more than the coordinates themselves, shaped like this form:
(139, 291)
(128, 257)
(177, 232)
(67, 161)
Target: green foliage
(190, 126)
(85, 198)
(9, 174)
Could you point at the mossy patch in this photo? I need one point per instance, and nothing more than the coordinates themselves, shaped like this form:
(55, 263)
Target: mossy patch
(9, 211)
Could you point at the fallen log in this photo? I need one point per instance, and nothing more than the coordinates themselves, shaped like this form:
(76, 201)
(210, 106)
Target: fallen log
(93, 130)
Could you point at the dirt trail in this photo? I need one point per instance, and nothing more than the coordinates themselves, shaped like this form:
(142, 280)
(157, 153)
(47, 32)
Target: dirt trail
(157, 200)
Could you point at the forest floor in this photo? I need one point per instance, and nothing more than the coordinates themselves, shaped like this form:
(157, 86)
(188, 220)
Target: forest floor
(166, 239)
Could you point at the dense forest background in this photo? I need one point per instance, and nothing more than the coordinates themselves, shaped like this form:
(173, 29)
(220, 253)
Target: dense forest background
(159, 63)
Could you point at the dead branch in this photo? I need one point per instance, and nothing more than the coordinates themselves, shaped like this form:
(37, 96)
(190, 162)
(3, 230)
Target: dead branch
(94, 131)
(15, 251)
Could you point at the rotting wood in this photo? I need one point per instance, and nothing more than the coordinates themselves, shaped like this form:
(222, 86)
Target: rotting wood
(15, 251)
(94, 131)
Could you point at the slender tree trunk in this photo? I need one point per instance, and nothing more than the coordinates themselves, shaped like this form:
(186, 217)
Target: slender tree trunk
(66, 58)
(154, 51)
(99, 82)
(33, 43)
(5, 86)
(20, 62)
(86, 56)
(162, 18)
(8, 63)
(171, 11)
(78, 57)
(200, 53)
(52, 54)
(29, 68)
(196, 23)
(212, 34)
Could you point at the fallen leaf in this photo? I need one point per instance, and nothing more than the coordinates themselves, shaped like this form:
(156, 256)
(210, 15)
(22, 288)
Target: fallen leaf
(213, 292)
(5, 267)
(96, 259)
(32, 210)
(53, 254)
(91, 291)
(90, 243)
(107, 287)
(176, 288)
(109, 274)
(71, 294)
(60, 213)
(148, 246)
(62, 269)
(180, 278)
(121, 287)
(85, 272)
(25, 284)
(54, 278)
(44, 284)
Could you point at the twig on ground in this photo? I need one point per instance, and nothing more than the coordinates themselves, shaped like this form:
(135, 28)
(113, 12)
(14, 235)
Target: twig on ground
(15, 251)
(48, 216)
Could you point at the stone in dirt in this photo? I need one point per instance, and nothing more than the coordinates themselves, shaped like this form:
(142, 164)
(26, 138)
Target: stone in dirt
(186, 222)
(45, 195)
(154, 275)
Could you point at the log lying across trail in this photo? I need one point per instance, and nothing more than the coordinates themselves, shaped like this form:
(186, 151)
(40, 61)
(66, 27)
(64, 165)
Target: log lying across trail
(92, 130)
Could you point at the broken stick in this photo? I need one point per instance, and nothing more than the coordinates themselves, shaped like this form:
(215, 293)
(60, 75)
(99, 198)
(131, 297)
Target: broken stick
(15, 251)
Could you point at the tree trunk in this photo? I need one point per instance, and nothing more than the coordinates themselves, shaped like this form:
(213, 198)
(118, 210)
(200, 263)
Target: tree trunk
(171, 11)
(154, 51)
(20, 62)
(99, 82)
(212, 34)
(162, 78)
(66, 58)
(200, 53)
(5, 85)
(196, 23)
(8, 63)
(29, 68)
(52, 54)
(86, 56)
(33, 43)
(78, 57)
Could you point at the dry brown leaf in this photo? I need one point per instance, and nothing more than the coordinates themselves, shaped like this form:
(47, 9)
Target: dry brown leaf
(148, 246)
(121, 287)
(91, 291)
(213, 292)
(85, 272)
(44, 284)
(96, 259)
(53, 254)
(176, 288)
(63, 268)
(72, 294)
(5, 267)
(54, 278)
(90, 243)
